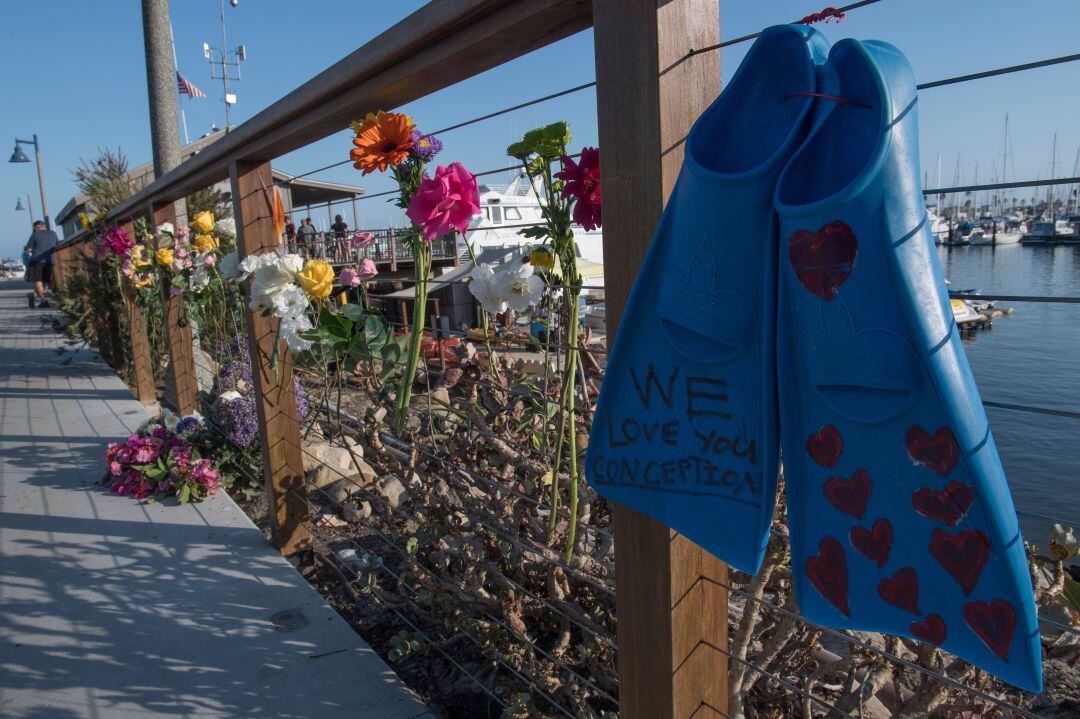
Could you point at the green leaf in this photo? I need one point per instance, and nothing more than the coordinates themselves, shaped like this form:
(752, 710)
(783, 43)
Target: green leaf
(535, 233)
(1071, 594)
(521, 150)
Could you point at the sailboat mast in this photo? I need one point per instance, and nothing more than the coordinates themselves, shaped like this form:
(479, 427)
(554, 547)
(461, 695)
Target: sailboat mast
(1053, 172)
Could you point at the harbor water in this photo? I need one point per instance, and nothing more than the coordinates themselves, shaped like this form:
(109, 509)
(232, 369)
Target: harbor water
(1031, 357)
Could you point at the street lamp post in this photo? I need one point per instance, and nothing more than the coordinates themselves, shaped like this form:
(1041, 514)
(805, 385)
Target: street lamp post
(29, 205)
(19, 156)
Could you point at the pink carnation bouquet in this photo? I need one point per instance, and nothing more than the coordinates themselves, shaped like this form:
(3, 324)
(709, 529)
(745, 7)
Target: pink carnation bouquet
(159, 459)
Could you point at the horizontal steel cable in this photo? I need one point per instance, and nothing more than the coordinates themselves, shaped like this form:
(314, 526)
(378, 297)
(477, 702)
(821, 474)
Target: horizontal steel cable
(406, 447)
(577, 573)
(343, 567)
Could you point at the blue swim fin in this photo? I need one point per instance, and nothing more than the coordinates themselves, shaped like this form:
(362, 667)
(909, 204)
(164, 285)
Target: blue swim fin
(685, 430)
(901, 519)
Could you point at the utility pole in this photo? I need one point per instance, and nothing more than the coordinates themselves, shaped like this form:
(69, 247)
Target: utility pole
(161, 86)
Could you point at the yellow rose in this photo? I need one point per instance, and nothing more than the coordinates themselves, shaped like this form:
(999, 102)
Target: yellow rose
(165, 256)
(317, 279)
(542, 257)
(138, 256)
(204, 221)
(145, 282)
(84, 220)
(205, 243)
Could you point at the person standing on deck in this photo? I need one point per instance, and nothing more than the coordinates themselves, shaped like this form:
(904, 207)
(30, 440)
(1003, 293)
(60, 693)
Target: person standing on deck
(41, 245)
(340, 229)
(290, 234)
(307, 236)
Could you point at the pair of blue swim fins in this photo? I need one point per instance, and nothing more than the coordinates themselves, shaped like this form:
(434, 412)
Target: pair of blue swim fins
(792, 299)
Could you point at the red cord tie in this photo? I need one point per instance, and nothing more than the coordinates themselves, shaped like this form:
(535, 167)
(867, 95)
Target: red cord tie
(834, 98)
(828, 15)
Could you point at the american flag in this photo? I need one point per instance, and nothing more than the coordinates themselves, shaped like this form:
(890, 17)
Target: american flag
(186, 88)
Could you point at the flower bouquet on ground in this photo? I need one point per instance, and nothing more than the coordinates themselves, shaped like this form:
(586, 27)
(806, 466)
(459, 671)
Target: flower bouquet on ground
(160, 459)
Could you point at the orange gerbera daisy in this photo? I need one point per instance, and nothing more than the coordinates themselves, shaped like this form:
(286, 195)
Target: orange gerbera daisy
(382, 140)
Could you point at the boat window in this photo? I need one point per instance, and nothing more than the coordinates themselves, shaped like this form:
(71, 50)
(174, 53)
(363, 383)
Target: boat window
(512, 213)
(496, 215)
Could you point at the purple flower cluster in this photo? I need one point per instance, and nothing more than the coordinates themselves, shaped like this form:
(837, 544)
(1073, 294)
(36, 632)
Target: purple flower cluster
(237, 416)
(425, 147)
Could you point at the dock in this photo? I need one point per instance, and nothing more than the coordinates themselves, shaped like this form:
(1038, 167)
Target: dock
(115, 608)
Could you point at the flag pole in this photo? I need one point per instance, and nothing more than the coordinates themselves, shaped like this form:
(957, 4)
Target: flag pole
(176, 67)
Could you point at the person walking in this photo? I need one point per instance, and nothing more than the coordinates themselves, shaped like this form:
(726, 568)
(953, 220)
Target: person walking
(41, 245)
(307, 236)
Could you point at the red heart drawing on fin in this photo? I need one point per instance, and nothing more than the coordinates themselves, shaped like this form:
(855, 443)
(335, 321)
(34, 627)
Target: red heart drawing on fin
(948, 506)
(901, 590)
(823, 260)
(938, 453)
(825, 446)
(849, 495)
(875, 543)
(827, 571)
(962, 555)
(931, 630)
(994, 622)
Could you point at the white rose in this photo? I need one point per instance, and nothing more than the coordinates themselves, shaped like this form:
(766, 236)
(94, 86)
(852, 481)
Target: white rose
(518, 286)
(291, 327)
(200, 280)
(291, 303)
(226, 226)
(230, 396)
(483, 287)
(229, 267)
(291, 263)
(272, 277)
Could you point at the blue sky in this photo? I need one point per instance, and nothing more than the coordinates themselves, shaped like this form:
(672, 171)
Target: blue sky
(73, 72)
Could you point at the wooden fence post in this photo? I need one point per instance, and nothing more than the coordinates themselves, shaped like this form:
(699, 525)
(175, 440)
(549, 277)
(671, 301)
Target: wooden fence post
(142, 359)
(672, 620)
(279, 429)
(182, 388)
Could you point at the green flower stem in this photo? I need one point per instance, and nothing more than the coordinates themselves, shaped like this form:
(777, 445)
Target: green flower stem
(422, 258)
(483, 318)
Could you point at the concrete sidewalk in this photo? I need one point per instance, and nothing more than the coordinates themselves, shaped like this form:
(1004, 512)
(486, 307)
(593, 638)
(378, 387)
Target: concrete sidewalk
(111, 608)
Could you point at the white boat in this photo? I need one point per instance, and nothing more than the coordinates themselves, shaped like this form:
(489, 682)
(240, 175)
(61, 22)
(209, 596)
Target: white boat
(1045, 232)
(507, 209)
(938, 226)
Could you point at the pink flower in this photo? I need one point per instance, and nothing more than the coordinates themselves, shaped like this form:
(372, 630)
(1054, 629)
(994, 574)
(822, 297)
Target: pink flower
(362, 238)
(115, 469)
(367, 269)
(444, 202)
(349, 277)
(582, 181)
(209, 259)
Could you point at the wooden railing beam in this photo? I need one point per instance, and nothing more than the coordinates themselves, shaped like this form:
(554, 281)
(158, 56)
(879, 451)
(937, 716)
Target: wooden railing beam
(275, 403)
(142, 358)
(182, 388)
(441, 44)
(672, 620)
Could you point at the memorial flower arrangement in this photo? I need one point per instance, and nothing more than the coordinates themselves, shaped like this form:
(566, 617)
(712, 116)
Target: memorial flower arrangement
(234, 413)
(573, 194)
(187, 255)
(285, 286)
(160, 459)
(435, 203)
